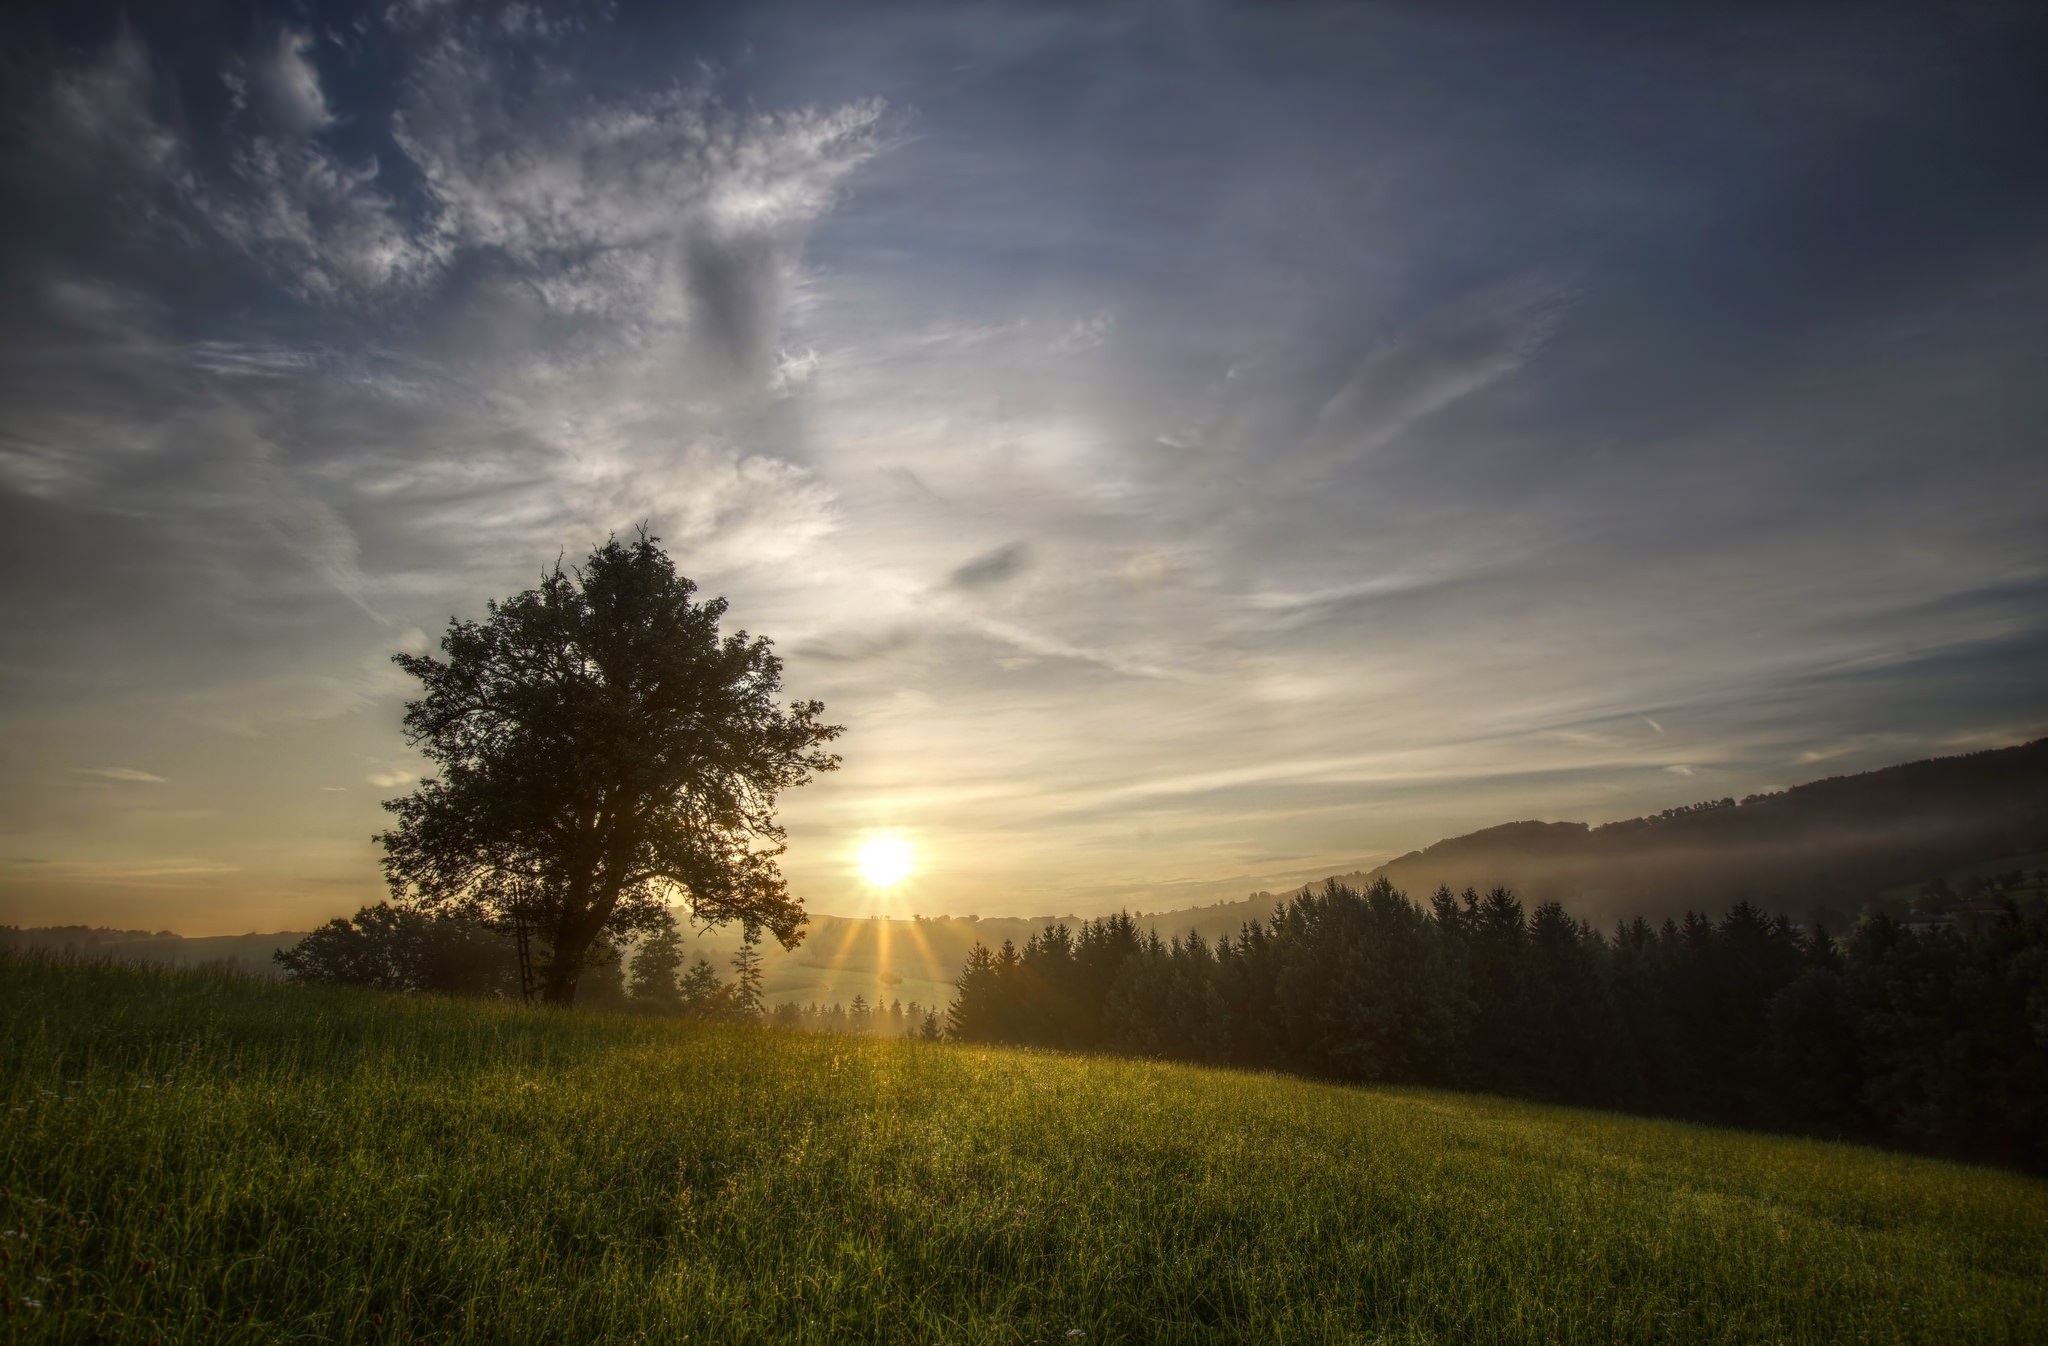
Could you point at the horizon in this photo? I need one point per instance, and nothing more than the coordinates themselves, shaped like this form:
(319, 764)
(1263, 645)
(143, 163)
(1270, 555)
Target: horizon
(1194, 452)
(1194, 907)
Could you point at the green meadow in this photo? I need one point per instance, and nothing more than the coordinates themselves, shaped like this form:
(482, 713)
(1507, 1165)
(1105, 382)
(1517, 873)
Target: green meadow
(195, 1157)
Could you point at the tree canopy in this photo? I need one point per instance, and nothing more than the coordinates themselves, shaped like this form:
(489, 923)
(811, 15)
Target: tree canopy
(603, 752)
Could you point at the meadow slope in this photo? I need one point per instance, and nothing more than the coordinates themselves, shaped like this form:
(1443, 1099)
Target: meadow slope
(194, 1157)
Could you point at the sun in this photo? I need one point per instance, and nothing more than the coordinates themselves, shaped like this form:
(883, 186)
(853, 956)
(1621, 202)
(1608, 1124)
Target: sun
(886, 861)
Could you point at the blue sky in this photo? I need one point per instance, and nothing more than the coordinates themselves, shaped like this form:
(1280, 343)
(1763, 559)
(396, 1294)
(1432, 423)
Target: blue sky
(1194, 448)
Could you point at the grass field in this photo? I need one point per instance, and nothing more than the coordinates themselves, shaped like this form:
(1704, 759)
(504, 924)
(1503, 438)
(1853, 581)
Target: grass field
(193, 1157)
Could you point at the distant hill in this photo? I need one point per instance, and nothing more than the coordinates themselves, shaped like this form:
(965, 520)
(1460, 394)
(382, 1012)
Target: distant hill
(245, 953)
(1826, 848)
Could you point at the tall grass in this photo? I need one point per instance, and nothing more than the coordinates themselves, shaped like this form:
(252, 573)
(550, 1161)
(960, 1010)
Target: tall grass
(193, 1157)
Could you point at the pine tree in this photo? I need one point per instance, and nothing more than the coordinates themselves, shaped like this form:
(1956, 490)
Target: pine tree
(699, 992)
(652, 984)
(974, 1015)
(744, 995)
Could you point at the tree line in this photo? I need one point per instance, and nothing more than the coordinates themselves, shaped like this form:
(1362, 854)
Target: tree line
(387, 947)
(1934, 1040)
(860, 1019)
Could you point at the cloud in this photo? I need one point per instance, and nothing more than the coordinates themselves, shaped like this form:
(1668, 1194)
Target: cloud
(1450, 354)
(635, 207)
(248, 707)
(1085, 334)
(1292, 607)
(166, 872)
(663, 207)
(119, 773)
(326, 227)
(991, 568)
(858, 646)
(390, 780)
(287, 86)
(737, 283)
(1039, 645)
(107, 109)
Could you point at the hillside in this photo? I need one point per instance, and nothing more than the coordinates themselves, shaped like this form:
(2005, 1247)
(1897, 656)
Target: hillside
(192, 1157)
(1829, 847)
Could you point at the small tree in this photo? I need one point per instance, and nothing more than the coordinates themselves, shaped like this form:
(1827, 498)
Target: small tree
(603, 751)
(652, 984)
(701, 994)
(744, 995)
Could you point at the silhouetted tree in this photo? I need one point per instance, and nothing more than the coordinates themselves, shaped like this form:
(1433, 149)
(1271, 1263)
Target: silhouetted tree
(653, 986)
(700, 993)
(743, 996)
(602, 750)
(393, 949)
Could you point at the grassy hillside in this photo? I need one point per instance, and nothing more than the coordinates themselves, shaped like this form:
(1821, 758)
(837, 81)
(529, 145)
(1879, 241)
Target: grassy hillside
(202, 1158)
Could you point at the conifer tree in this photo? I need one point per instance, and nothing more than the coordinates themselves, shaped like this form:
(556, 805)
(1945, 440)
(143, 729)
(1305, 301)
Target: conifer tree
(699, 992)
(652, 985)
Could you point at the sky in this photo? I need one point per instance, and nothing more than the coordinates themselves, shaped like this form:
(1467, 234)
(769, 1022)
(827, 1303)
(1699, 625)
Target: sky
(1192, 448)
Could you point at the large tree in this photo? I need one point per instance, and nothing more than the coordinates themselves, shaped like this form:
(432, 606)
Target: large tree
(603, 752)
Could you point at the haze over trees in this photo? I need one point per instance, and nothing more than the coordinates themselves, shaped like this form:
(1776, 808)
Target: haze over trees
(1826, 847)
(602, 751)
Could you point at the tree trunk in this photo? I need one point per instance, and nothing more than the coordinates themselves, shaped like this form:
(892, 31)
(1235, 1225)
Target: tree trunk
(559, 990)
(573, 936)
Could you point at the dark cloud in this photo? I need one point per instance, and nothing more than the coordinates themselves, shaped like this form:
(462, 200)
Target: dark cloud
(737, 282)
(858, 646)
(991, 568)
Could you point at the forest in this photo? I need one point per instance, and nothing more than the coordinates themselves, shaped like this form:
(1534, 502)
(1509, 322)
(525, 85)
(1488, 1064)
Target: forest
(1931, 1039)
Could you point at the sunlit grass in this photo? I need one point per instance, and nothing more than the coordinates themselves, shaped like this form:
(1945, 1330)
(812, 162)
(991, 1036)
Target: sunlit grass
(198, 1158)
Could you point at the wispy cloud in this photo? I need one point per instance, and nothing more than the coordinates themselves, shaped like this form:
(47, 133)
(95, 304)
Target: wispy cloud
(1450, 354)
(125, 774)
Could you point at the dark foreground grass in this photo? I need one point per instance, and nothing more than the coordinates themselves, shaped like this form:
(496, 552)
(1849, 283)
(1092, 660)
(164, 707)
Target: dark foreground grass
(196, 1158)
